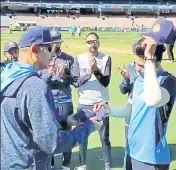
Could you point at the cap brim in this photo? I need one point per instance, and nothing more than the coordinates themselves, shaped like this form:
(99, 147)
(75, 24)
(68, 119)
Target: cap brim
(11, 48)
(152, 35)
(52, 42)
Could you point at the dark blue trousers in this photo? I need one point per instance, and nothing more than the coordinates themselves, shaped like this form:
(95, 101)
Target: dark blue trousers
(104, 137)
(132, 164)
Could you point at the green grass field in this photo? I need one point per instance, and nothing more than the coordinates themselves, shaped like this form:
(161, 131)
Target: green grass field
(119, 48)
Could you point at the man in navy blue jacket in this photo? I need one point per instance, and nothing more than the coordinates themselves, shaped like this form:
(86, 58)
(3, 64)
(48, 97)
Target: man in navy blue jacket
(29, 129)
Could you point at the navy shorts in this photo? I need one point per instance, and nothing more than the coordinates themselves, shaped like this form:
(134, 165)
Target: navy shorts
(132, 164)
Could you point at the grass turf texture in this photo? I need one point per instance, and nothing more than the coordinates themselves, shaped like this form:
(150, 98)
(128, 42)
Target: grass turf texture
(118, 46)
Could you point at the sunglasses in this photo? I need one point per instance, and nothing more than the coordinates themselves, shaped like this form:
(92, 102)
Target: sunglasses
(48, 46)
(95, 42)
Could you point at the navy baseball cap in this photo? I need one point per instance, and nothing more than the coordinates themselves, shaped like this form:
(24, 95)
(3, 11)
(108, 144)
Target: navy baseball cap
(56, 35)
(36, 36)
(163, 31)
(9, 45)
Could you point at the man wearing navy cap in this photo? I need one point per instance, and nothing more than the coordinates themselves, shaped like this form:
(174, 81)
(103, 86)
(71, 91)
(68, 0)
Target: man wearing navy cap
(152, 102)
(11, 52)
(167, 30)
(58, 78)
(29, 129)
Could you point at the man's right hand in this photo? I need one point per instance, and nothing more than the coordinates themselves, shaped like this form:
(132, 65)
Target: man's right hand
(92, 65)
(98, 106)
(123, 71)
(52, 67)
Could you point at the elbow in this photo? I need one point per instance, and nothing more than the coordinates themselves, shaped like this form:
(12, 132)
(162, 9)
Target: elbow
(105, 85)
(123, 91)
(159, 99)
(153, 101)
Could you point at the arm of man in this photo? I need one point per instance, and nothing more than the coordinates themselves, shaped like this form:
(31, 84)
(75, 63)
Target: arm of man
(104, 79)
(47, 133)
(123, 112)
(75, 73)
(154, 94)
(125, 86)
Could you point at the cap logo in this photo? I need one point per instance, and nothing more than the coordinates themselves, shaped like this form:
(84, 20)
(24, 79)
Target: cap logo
(11, 43)
(156, 28)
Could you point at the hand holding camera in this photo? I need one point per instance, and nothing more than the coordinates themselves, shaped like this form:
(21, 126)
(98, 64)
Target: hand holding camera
(123, 72)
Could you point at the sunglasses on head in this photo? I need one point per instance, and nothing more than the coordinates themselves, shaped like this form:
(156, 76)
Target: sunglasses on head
(90, 42)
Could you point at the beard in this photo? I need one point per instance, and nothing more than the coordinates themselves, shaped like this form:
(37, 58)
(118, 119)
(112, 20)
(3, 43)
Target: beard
(14, 58)
(93, 49)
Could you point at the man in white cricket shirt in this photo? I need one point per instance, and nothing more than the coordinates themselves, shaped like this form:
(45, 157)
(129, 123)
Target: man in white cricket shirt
(91, 73)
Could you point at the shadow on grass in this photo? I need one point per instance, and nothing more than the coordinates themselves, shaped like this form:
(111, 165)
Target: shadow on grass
(94, 158)
(173, 151)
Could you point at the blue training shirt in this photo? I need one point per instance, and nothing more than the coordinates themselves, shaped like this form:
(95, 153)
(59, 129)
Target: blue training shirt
(147, 129)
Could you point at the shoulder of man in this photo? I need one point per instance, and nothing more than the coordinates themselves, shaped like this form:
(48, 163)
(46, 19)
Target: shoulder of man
(26, 84)
(68, 56)
(103, 55)
(34, 85)
(131, 69)
(3, 64)
(81, 57)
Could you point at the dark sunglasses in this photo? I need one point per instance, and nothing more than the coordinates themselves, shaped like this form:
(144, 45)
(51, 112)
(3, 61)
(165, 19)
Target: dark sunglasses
(92, 42)
(48, 46)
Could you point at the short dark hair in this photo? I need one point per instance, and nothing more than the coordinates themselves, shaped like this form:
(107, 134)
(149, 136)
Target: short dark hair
(93, 33)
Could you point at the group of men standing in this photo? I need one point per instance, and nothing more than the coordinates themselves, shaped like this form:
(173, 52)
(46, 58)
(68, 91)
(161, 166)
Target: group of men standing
(37, 118)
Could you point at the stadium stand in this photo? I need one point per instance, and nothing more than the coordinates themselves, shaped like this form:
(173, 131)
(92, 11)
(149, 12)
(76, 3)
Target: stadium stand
(6, 21)
(86, 21)
(87, 13)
